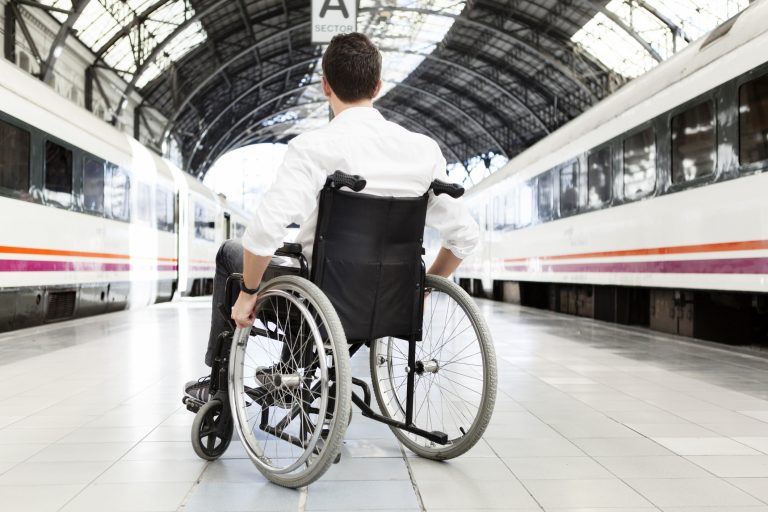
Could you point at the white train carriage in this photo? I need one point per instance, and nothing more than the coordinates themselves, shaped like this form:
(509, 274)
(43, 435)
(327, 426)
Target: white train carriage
(660, 186)
(90, 218)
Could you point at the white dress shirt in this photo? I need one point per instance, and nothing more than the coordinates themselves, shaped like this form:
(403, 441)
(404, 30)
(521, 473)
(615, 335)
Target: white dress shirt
(394, 161)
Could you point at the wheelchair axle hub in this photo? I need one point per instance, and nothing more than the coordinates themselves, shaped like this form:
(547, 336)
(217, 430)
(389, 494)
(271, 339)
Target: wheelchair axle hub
(429, 366)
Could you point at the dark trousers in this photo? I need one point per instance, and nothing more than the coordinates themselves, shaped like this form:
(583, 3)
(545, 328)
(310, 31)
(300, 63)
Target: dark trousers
(229, 260)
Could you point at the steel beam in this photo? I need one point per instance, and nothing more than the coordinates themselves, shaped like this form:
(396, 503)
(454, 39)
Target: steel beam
(212, 76)
(46, 71)
(232, 104)
(27, 35)
(435, 97)
(9, 34)
(479, 76)
(158, 49)
(251, 137)
(676, 29)
(541, 54)
(632, 33)
(126, 30)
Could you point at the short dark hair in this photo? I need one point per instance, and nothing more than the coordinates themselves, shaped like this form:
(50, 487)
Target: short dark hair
(352, 67)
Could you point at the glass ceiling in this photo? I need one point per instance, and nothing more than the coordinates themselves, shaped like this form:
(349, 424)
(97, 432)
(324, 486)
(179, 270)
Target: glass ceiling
(619, 50)
(404, 37)
(102, 19)
(629, 36)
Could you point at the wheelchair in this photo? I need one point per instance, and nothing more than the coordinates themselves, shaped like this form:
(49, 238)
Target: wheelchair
(285, 385)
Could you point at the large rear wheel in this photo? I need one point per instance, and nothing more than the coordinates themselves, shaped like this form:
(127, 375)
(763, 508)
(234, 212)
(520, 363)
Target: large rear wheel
(290, 383)
(455, 381)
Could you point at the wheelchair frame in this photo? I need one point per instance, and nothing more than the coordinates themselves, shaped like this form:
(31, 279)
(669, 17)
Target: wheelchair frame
(220, 408)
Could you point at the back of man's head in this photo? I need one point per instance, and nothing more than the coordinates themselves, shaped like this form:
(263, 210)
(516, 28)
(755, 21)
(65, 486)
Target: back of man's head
(352, 67)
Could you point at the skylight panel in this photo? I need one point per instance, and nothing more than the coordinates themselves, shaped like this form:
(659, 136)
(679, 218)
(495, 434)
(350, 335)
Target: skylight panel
(619, 50)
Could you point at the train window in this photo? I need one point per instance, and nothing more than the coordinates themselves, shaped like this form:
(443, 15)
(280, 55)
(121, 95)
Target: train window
(119, 193)
(545, 196)
(640, 164)
(93, 185)
(569, 188)
(165, 210)
(144, 204)
(525, 206)
(58, 168)
(694, 146)
(599, 177)
(753, 121)
(204, 223)
(511, 208)
(14, 158)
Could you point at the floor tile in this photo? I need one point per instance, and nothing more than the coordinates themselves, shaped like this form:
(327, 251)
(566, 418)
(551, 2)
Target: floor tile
(757, 487)
(704, 446)
(474, 494)
(556, 468)
(53, 473)
(38, 498)
(81, 452)
(652, 467)
(733, 466)
(128, 471)
(557, 447)
(696, 492)
(361, 495)
(553, 494)
(129, 497)
(464, 468)
(639, 447)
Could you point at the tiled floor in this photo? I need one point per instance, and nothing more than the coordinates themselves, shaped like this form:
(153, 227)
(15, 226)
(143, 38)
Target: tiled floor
(589, 417)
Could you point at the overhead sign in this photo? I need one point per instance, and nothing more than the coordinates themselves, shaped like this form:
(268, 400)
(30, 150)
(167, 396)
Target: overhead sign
(331, 17)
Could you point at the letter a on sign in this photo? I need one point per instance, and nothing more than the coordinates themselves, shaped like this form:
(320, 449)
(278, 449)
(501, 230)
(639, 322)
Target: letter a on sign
(331, 17)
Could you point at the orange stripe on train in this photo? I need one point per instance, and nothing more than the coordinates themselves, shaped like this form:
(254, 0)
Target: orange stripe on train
(79, 254)
(752, 245)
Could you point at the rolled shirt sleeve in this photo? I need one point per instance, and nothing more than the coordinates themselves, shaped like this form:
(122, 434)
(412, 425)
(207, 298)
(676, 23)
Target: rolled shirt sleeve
(290, 199)
(450, 217)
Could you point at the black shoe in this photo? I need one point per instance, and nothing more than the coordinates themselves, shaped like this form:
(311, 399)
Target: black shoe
(198, 389)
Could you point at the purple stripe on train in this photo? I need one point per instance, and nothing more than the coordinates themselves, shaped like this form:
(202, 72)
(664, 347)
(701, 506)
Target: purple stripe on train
(73, 266)
(712, 266)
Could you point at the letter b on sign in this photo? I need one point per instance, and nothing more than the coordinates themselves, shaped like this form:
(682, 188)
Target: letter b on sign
(331, 17)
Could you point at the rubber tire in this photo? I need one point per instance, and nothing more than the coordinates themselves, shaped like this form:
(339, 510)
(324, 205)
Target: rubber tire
(308, 290)
(197, 425)
(476, 431)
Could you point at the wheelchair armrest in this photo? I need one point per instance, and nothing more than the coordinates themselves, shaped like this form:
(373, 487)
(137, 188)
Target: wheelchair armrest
(289, 249)
(443, 187)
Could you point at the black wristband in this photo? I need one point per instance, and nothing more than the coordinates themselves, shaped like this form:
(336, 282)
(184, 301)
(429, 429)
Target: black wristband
(245, 289)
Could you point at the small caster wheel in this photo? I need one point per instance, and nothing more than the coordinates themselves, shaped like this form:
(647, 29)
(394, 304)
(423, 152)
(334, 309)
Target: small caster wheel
(211, 431)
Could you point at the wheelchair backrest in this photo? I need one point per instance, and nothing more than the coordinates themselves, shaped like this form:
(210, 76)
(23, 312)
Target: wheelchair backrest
(367, 260)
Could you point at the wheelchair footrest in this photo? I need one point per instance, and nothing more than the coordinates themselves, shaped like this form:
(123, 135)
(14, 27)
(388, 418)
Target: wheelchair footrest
(440, 437)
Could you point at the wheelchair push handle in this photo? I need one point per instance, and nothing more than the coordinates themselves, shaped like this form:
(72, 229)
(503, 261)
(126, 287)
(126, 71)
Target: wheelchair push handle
(443, 187)
(340, 179)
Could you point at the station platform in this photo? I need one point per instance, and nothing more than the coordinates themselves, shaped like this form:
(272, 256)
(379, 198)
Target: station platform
(589, 417)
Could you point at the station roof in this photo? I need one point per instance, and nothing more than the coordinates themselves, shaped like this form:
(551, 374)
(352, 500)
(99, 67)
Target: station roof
(485, 78)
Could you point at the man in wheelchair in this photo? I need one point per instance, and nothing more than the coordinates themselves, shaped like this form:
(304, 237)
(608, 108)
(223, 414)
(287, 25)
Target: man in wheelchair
(370, 289)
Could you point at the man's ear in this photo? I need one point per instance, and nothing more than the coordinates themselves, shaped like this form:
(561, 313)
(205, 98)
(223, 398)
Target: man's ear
(377, 90)
(327, 88)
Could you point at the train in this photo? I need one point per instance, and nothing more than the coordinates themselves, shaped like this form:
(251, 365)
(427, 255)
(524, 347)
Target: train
(650, 207)
(91, 221)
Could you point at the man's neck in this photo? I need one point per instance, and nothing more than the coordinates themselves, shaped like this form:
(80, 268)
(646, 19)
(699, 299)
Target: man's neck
(338, 106)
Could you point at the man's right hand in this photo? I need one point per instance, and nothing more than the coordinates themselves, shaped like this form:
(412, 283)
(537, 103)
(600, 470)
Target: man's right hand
(243, 312)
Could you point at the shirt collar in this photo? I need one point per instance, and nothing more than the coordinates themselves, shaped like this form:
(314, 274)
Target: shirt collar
(359, 113)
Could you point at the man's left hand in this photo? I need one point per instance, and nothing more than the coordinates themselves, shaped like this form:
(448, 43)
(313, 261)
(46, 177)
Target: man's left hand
(243, 312)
